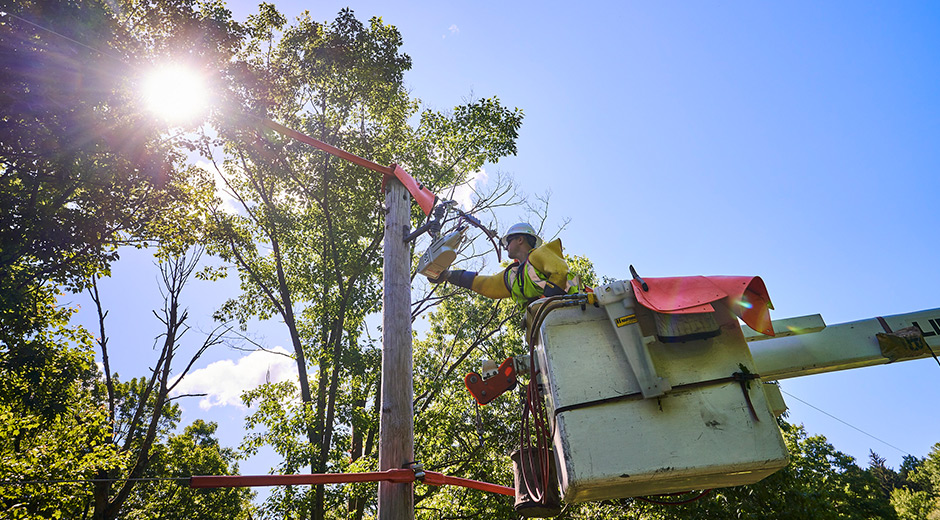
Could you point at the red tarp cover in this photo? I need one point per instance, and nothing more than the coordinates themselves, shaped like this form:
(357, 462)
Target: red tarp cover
(421, 194)
(747, 296)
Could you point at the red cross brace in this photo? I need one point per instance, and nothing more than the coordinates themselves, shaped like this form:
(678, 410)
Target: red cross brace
(397, 476)
(421, 194)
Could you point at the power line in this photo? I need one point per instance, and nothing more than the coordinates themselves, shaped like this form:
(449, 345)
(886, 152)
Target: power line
(60, 35)
(886, 443)
(91, 481)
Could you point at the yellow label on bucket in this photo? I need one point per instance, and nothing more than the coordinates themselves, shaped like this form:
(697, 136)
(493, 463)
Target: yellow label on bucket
(626, 320)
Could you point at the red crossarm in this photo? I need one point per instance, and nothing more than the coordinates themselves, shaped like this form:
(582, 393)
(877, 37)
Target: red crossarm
(439, 479)
(399, 476)
(421, 194)
(328, 148)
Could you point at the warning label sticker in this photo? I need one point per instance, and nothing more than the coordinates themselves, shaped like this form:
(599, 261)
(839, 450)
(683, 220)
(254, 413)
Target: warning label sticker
(626, 320)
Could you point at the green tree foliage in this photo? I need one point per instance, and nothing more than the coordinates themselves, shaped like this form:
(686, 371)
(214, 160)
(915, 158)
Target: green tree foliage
(83, 165)
(195, 451)
(584, 268)
(67, 447)
(454, 435)
(45, 364)
(918, 498)
(84, 169)
(117, 433)
(280, 420)
(888, 479)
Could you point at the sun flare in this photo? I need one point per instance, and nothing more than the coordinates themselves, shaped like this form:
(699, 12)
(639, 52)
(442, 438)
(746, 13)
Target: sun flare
(175, 93)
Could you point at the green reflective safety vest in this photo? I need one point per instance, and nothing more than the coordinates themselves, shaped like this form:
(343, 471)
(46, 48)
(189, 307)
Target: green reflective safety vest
(530, 285)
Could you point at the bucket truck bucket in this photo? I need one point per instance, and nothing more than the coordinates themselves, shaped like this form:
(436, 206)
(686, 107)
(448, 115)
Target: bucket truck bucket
(644, 403)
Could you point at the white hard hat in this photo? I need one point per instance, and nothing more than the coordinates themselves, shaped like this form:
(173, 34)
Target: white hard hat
(521, 228)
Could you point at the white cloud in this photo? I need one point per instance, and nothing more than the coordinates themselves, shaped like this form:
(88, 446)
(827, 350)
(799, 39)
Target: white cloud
(224, 381)
(464, 193)
(454, 29)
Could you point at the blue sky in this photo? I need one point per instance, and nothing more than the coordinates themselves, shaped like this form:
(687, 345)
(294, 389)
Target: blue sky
(796, 141)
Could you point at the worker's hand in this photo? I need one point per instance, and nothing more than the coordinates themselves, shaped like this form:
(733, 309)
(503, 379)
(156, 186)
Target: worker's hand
(440, 279)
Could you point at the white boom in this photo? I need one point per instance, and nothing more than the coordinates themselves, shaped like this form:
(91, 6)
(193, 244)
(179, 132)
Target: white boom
(806, 345)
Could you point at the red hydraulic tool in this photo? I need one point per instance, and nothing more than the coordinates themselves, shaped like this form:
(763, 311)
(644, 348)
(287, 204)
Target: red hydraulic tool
(485, 390)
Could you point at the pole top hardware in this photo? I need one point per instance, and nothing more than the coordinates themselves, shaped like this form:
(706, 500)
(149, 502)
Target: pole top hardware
(417, 468)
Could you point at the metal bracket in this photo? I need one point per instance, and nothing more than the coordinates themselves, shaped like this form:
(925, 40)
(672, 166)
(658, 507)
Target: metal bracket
(433, 225)
(620, 304)
(417, 468)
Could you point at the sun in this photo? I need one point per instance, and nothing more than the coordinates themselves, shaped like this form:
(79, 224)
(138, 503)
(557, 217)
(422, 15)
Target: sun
(175, 93)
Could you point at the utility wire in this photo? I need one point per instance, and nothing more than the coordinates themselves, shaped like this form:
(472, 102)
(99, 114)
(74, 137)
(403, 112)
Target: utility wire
(886, 443)
(91, 480)
(60, 35)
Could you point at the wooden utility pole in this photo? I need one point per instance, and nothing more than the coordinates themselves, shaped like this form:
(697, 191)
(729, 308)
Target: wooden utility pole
(396, 421)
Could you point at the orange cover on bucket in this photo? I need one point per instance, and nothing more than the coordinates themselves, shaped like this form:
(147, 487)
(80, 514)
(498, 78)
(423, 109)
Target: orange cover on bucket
(747, 295)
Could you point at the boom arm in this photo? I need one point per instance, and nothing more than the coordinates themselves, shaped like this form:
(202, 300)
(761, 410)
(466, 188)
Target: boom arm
(806, 345)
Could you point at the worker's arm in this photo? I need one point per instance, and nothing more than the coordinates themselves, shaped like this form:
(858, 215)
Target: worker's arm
(549, 259)
(491, 286)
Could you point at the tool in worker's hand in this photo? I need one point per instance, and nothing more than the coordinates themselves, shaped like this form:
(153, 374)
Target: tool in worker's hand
(441, 253)
(443, 249)
(492, 235)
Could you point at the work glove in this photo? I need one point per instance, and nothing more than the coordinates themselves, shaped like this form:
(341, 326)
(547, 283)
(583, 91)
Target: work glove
(440, 279)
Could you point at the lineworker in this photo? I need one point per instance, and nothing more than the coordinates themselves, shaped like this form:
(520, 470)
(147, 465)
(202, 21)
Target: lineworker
(538, 270)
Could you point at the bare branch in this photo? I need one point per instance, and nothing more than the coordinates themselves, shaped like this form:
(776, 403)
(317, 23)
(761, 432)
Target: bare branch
(180, 396)
(103, 343)
(213, 338)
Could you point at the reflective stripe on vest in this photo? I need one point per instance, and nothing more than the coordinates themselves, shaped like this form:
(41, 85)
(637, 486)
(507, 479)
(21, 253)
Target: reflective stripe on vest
(531, 286)
(572, 284)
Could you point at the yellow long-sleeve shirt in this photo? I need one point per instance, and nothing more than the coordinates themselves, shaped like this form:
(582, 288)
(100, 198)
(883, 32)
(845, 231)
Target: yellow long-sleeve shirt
(548, 259)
